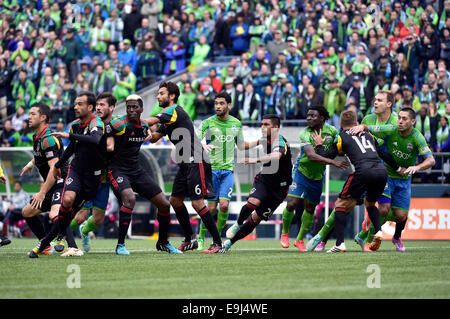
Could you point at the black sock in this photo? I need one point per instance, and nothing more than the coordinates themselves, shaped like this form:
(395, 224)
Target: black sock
(124, 223)
(185, 222)
(245, 230)
(36, 226)
(64, 218)
(210, 225)
(246, 210)
(70, 238)
(164, 222)
(340, 218)
(375, 219)
(53, 232)
(399, 226)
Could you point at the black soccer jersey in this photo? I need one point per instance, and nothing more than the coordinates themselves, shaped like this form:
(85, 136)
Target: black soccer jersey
(362, 150)
(128, 139)
(88, 144)
(280, 173)
(178, 126)
(45, 148)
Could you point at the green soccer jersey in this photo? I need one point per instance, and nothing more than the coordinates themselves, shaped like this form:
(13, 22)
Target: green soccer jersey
(404, 149)
(310, 169)
(223, 135)
(372, 119)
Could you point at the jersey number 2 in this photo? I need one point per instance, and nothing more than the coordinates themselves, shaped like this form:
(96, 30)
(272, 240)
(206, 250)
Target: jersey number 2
(364, 145)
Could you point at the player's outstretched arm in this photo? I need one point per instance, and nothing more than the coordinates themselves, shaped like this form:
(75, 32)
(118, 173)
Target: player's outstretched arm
(426, 164)
(68, 152)
(152, 121)
(248, 145)
(313, 156)
(358, 129)
(274, 156)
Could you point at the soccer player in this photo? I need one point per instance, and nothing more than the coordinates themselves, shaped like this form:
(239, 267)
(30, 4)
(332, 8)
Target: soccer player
(404, 143)
(194, 175)
(104, 107)
(47, 150)
(382, 115)
(88, 145)
(221, 131)
(3, 240)
(127, 176)
(270, 186)
(369, 177)
(308, 175)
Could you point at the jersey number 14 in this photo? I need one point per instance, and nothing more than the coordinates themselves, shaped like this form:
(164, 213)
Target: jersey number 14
(363, 144)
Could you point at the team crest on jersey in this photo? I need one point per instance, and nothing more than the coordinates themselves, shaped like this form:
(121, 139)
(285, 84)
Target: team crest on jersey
(253, 190)
(233, 128)
(145, 131)
(119, 179)
(376, 128)
(108, 129)
(409, 147)
(69, 181)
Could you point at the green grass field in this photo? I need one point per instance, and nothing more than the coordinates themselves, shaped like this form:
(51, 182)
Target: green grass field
(252, 269)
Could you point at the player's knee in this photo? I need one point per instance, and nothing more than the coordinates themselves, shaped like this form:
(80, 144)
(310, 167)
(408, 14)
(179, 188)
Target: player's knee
(198, 204)
(224, 206)
(68, 200)
(98, 218)
(80, 218)
(175, 202)
(400, 218)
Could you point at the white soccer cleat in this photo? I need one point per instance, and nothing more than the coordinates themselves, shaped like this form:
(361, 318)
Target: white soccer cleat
(338, 249)
(232, 231)
(76, 252)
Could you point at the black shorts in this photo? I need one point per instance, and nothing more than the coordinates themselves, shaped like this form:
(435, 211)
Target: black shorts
(371, 180)
(271, 196)
(84, 185)
(138, 180)
(53, 197)
(194, 181)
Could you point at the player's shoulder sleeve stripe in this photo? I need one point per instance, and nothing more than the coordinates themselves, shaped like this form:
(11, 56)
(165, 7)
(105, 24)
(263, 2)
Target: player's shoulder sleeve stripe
(73, 125)
(49, 141)
(173, 118)
(339, 144)
(119, 123)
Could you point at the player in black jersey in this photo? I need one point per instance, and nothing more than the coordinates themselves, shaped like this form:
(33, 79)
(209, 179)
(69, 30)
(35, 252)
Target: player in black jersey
(194, 175)
(270, 186)
(127, 176)
(47, 150)
(88, 145)
(370, 176)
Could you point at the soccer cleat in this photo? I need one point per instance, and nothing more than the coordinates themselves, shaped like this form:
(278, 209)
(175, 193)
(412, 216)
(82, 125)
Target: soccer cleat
(359, 241)
(300, 245)
(121, 250)
(86, 241)
(338, 249)
(232, 231)
(201, 244)
(34, 253)
(167, 248)
(321, 246)
(313, 242)
(58, 245)
(75, 252)
(285, 240)
(188, 245)
(4, 241)
(366, 222)
(226, 246)
(398, 243)
(48, 250)
(213, 249)
(375, 245)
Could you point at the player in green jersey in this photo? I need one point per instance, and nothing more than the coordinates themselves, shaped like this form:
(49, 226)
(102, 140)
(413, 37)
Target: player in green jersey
(221, 132)
(308, 175)
(404, 143)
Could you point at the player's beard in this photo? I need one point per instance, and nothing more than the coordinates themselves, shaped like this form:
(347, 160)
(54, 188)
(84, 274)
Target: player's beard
(164, 103)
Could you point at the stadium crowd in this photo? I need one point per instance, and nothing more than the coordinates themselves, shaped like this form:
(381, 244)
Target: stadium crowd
(288, 55)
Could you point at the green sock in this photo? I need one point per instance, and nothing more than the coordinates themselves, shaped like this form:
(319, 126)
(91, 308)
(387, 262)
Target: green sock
(89, 226)
(202, 231)
(390, 217)
(370, 234)
(287, 220)
(73, 224)
(222, 218)
(307, 220)
(328, 226)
